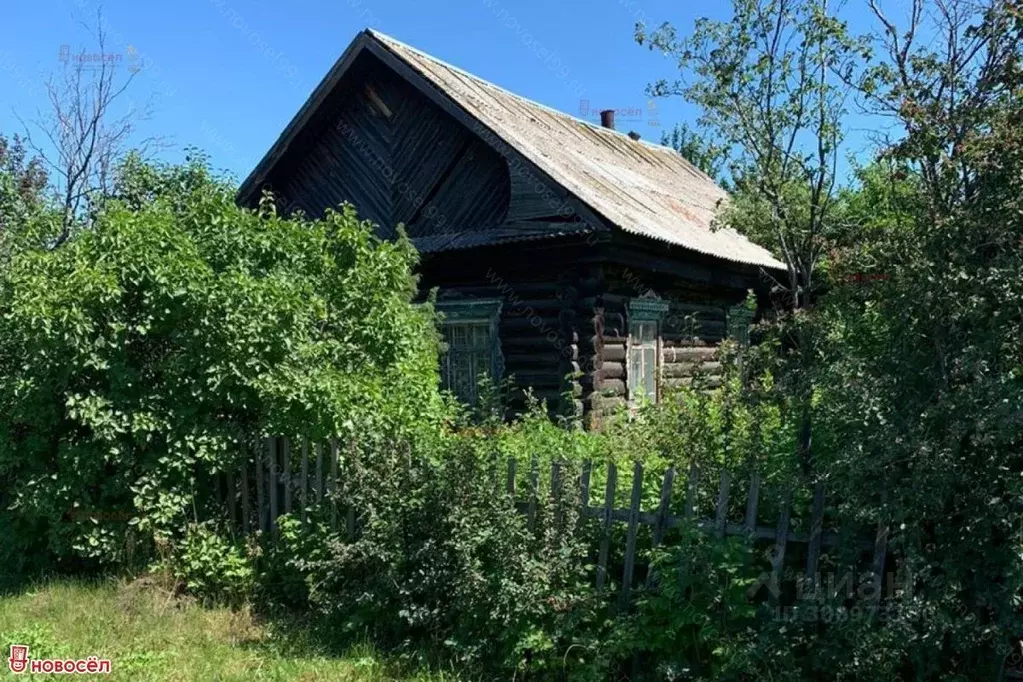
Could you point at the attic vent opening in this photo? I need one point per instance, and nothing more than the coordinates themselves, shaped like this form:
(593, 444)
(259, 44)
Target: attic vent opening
(376, 103)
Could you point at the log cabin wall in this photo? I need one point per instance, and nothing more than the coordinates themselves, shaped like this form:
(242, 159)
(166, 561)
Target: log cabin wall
(540, 340)
(690, 333)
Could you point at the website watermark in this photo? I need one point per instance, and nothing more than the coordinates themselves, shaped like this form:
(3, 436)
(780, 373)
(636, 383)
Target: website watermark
(20, 662)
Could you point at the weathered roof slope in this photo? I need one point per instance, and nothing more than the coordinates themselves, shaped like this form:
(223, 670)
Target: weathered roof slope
(642, 188)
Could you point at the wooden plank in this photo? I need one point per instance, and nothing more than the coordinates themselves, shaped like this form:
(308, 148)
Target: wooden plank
(534, 484)
(721, 515)
(349, 509)
(304, 480)
(662, 515)
(246, 510)
(510, 483)
(556, 494)
(332, 482)
(877, 564)
(232, 498)
(262, 521)
(286, 473)
(273, 474)
(608, 510)
(752, 503)
(584, 487)
(691, 488)
(630, 539)
(319, 473)
(781, 538)
(813, 550)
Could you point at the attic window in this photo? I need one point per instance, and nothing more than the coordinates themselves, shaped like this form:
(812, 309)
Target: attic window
(376, 103)
(645, 315)
(472, 348)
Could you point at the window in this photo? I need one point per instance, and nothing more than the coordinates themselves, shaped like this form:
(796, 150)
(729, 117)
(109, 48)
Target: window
(645, 316)
(739, 319)
(473, 350)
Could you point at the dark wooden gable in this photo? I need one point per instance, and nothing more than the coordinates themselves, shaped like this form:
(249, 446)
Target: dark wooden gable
(396, 155)
(398, 158)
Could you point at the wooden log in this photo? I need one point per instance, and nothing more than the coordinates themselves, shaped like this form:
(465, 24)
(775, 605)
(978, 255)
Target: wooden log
(612, 386)
(690, 369)
(612, 371)
(608, 512)
(613, 353)
(630, 539)
(680, 354)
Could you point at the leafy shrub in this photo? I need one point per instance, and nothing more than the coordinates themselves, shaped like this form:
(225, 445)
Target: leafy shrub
(137, 359)
(212, 567)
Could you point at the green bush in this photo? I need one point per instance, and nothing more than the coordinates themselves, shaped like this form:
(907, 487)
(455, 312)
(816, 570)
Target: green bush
(144, 355)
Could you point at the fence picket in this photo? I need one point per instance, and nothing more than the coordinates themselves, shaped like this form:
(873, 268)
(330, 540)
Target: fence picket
(781, 539)
(630, 538)
(691, 489)
(510, 484)
(752, 502)
(534, 476)
(286, 473)
(813, 549)
(584, 488)
(332, 482)
(662, 514)
(556, 494)
(273, 459)
(721, 513)
(304, 482)
(246, 510)
(262, 522)
(605, 540)
(319, 473)
(232, 499)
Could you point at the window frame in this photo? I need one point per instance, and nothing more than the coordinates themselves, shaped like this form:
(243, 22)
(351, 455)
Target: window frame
(477, 311)
(647, 309)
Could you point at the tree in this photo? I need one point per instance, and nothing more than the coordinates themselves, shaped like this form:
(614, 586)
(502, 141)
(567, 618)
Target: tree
(79, 138)
(142, 357)
(702, 153)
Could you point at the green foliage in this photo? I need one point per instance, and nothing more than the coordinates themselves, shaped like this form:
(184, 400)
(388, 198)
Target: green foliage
(212, 567)
(702, 153)
(140, 357)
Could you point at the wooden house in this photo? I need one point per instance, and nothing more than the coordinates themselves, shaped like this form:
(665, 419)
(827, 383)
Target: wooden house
(574, 257)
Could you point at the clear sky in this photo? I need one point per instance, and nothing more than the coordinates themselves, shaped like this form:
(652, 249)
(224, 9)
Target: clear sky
(227, 75)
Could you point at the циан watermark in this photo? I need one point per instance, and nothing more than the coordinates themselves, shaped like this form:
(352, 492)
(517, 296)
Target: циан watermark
(20, 662)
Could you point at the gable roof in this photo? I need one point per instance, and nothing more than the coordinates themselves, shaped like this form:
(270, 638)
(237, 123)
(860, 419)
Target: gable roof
(638, 187)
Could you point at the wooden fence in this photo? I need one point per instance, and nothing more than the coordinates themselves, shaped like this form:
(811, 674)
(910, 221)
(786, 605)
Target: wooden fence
(298, 476)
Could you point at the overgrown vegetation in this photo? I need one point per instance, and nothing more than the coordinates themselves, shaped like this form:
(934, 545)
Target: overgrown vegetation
(147, 353)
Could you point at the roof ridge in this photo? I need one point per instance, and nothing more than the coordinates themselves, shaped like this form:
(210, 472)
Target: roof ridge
(381, 35)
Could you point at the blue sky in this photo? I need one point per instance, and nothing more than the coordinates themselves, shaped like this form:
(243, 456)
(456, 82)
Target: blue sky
(227, 75)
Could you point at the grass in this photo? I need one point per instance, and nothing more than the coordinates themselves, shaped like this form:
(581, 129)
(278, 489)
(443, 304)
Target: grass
(149, 634)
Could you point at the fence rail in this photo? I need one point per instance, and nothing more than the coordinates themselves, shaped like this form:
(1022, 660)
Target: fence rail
(283, 484)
